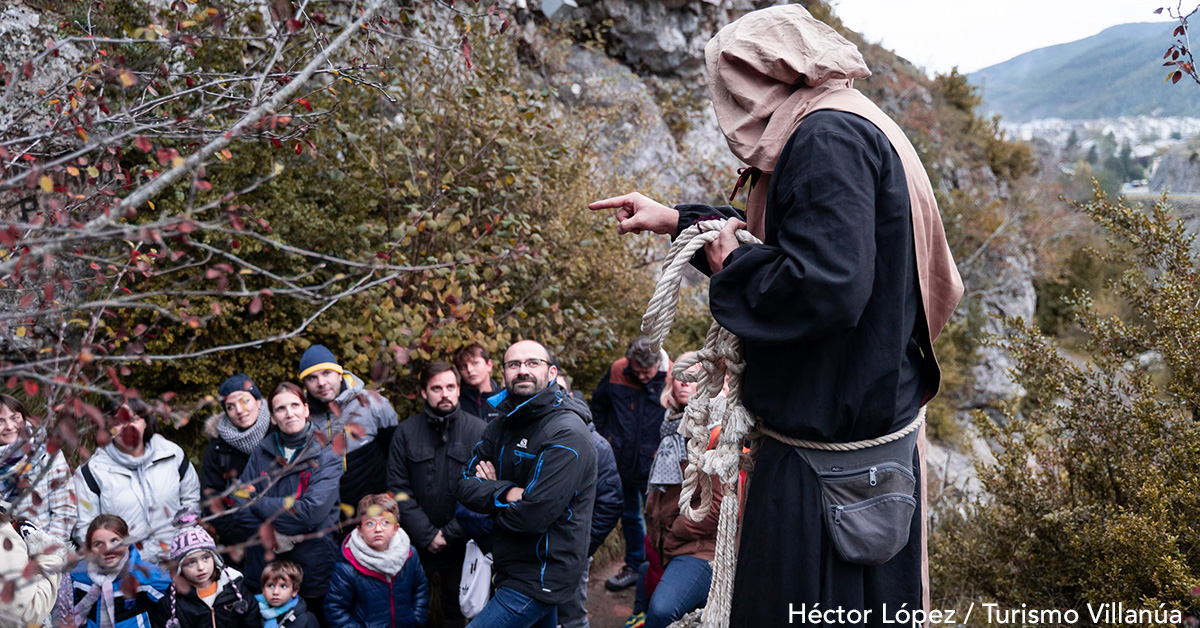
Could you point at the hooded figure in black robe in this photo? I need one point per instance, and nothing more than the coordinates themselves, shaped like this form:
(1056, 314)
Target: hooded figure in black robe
(836, 309)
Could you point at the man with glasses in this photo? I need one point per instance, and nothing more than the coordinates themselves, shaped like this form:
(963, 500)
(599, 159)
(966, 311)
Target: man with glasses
(628, 412)
(534, 471)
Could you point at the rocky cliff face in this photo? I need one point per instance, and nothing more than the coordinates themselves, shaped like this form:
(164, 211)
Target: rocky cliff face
(1179, 171)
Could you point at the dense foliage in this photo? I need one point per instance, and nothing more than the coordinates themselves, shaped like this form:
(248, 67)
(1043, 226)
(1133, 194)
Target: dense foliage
(1093, 494)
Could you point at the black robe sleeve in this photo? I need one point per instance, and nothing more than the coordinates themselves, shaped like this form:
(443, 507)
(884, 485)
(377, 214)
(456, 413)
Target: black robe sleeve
(814, 274)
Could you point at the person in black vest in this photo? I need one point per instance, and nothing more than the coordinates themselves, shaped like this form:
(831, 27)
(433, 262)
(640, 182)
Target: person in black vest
(233, 434)
(475, 369)
(428, 453)
(534, 470)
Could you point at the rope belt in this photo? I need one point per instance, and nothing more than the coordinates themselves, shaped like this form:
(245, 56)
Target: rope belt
(912, 426)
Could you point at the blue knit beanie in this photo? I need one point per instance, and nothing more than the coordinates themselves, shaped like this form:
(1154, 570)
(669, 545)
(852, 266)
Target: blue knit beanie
(318, 358)
(239, 383)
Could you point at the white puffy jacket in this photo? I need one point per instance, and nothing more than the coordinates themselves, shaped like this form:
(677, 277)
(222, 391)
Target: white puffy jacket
(146, 496)
(34, 596)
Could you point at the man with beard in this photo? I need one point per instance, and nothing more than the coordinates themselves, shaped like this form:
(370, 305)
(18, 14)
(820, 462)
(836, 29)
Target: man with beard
(429, 452)
(534, 470)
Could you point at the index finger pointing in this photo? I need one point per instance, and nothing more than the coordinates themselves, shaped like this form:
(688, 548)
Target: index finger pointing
(610, 203)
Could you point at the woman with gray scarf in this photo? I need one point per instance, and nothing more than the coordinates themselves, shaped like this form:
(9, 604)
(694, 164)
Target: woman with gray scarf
(233, 434)
(138, 476)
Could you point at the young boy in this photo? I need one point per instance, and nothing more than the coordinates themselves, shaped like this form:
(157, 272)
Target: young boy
(280, 603)
(380, 582)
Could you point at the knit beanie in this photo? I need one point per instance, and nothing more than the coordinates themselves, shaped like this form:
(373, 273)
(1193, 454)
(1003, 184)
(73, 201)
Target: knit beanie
(190, 537)
(239, 383)
(318, 358)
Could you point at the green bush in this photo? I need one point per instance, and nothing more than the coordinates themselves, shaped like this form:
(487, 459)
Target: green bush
(1093, 495)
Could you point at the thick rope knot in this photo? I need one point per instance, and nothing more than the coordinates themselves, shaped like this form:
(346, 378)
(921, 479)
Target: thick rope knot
(721, 367)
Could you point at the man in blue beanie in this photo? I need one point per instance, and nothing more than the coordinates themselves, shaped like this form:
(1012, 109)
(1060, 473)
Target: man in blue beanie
(339, 403)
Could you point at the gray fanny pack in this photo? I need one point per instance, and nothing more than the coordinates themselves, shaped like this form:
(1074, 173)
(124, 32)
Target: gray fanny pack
(868, 497)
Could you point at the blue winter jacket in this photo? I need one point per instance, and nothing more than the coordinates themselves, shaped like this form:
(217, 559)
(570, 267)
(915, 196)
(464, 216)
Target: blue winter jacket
(361, 598)
(311, 483)
(136, 612)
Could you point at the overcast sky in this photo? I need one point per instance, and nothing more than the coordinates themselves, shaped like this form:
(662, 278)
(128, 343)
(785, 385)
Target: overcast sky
(972, 34)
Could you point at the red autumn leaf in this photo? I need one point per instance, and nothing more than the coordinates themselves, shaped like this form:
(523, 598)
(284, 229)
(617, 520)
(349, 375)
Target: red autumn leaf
(1196, 591)
(255, 305)
(266, 532)
(31, 387)
(129, 586)
(1178, 75)
(304, 103)
(339, 444)
(1175, 55)
(298, 149)
(27, 300)
(236, 222)
(48, 292)
(27, 68)
(143, 144)
(1179, 30)
(187, 226)
(201, 184)
(129, 437)
(466, 49)
(11, 383)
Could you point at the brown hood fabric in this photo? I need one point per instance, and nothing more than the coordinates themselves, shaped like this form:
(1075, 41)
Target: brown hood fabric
(770, 69)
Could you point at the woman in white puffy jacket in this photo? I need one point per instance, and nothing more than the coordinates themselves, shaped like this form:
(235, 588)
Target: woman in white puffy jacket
(140, 476)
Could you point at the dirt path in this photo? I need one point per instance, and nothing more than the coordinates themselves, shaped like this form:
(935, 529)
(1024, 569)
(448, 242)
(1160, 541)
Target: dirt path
(607, 609)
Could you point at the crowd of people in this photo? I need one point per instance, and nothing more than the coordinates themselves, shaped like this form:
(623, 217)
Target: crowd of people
(315, 505)
(328, 510)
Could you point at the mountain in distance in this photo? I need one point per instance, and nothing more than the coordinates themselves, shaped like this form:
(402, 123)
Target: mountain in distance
(1117, 72)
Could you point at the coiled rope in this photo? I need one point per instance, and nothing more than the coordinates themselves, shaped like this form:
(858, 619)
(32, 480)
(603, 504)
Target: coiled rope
(721, 365)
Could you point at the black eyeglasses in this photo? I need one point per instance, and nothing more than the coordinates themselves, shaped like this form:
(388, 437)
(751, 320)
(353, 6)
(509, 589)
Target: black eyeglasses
(531, 363)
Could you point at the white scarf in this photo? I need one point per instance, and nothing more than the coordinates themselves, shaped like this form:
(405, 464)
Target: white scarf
(388, 562)
(101, 592)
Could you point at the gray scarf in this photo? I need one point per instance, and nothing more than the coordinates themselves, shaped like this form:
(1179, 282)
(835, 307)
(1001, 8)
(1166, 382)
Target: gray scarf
(665, 470)
(245, 440)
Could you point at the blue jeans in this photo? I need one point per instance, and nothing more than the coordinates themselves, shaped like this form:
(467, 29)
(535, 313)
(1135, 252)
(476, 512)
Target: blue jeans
(632, 527)
(683, 588)
(511, 609)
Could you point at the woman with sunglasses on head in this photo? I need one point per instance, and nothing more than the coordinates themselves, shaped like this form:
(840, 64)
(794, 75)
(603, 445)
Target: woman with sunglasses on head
(139, 476)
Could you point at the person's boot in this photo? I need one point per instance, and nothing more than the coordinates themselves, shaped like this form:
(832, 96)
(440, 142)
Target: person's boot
(623, 579)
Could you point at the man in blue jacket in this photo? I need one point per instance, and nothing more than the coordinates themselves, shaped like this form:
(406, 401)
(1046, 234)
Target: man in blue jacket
(534, 471)
(627, 411)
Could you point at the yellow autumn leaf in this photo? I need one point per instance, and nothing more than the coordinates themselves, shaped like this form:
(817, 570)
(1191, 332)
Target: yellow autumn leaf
(241, 494)
(176, 162)
(82, 133)
(92, 172)
(73, 171)
(347, 509)
(288, 502)
(20, 332)
(46, 183)
(127, 78)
